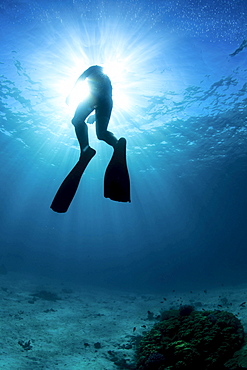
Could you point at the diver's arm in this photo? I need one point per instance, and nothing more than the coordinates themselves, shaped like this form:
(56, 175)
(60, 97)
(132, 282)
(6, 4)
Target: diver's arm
(82, 77)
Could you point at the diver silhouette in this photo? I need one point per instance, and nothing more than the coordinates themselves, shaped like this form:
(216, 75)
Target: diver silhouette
(116, 180)
(100, 100)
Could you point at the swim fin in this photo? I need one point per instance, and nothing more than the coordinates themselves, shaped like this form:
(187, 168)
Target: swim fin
(67, 190)
(117, 181)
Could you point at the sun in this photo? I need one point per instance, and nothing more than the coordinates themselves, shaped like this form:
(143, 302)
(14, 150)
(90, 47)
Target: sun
(128, 59)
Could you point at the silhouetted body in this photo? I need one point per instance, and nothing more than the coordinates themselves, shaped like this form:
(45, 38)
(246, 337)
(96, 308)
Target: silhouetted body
(100, 100)
(116, 180)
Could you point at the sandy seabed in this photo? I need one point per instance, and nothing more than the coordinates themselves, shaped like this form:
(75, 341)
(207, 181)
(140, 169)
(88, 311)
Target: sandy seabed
(85, 327)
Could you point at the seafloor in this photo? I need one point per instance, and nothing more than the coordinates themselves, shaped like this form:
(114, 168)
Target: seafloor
(47, 324)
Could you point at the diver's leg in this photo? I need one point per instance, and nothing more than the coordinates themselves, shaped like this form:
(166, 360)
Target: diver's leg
(102, 132)
(81, 129)
(103, 114)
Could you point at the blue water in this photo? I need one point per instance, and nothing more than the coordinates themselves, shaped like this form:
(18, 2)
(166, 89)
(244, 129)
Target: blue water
(180, 101)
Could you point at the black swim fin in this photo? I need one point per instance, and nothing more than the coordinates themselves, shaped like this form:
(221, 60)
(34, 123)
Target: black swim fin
(67, 190)
(117, 181)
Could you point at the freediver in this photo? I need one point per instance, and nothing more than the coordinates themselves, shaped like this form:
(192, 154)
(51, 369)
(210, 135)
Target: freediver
(100, 100)
(116, 179)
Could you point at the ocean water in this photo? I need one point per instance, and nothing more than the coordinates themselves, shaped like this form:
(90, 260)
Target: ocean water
(178, 70)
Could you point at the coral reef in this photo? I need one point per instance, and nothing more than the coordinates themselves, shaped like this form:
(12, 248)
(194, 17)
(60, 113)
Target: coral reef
(239, 360)
(188, 339)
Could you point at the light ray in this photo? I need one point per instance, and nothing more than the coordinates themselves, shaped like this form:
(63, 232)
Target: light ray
(128, 58)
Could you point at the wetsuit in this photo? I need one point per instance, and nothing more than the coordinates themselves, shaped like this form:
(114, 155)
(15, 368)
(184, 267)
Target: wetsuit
(100, 100)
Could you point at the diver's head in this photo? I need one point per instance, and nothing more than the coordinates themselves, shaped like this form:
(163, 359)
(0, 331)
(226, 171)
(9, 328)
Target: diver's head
(97, 69)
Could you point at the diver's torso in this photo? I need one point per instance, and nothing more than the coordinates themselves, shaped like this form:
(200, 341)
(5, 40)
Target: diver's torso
(100, 85)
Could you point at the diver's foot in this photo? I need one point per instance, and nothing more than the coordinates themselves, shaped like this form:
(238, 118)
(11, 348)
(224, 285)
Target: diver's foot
(121, 142)
(87, 152)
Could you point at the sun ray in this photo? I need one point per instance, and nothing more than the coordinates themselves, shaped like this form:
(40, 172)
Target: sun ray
(127, 58)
